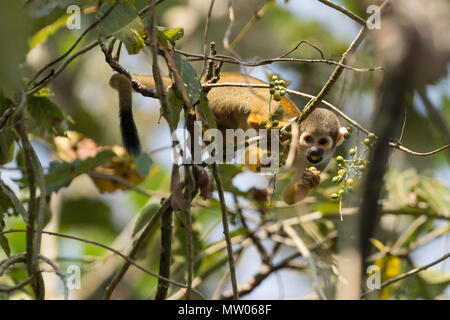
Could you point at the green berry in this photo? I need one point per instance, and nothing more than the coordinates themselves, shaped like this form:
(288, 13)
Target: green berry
(274, 77)
(272, 90)
(366, 141)
(263, 123)
(282, 92)
(347, 135)
(335, 179)
(359, 162)
(352, 152)
(275, 123)
(361, 168)
(282, 83)
(341, 192)
(371, 135)
(340, 159)
(334, 196)
(280, 110)
(277, 96)
(349, 129)
(312, 169)
(272, 84)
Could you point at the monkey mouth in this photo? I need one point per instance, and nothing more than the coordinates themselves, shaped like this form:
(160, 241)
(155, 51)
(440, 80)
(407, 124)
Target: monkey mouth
(314, 159)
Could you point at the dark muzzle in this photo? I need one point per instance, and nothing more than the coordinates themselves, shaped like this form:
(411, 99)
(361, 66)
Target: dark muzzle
(314, 155)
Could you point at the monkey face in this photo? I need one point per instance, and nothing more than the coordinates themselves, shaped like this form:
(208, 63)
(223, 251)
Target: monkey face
(317, 148)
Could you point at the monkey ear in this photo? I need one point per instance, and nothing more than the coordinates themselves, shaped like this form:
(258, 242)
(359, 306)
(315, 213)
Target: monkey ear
(340, 136)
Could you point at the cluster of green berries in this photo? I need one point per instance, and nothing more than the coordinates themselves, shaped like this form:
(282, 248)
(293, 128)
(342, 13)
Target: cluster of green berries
(370, 138)
(277, 87)
(348, 134)
(347, 166)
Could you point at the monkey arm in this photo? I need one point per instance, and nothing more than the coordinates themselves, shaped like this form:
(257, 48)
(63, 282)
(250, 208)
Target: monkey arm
(301, 187)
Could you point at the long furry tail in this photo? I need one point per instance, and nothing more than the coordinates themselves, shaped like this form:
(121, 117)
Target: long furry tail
(130, 137)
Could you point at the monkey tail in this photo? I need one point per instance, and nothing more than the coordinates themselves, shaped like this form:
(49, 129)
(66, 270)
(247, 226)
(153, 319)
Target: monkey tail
(130, 137)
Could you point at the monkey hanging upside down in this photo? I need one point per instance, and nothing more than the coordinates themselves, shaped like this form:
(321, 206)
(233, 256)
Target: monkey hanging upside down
(244, 108)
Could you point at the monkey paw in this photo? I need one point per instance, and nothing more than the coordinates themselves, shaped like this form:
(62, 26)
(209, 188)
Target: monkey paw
(310, 179)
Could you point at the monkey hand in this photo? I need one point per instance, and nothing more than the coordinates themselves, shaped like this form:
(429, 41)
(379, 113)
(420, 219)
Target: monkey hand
(299, 189)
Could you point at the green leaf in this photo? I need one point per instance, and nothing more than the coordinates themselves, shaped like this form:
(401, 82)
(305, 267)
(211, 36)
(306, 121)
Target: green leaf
(206, 112)
(177, 105)
(167, 34)
(40, 8)
(7, 146)
(179, 246)
(144, 217)
(48, 115)
(3, 240)
(189, 77)
(143, 164)
(436, 194)
(400, 185)
(123, 23)
(14, 29)
(61, 174)
(7, 137)
(9, 199)
(228, 172)
(87, 215)
(42, 35)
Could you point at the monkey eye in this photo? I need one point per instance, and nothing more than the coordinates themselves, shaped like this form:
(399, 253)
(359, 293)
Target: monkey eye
(309, 139)
(323, 141)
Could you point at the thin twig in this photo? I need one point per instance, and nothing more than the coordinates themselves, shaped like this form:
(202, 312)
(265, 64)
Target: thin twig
(421, 154)
(34, 211)
(435, 115)
(92, 26)
(250, 23)
(137, 86)
(311, 105)
(226, 231)
(101, 245)
(60, 69)
(345, 11)
(165, 254)
(165, 206)
(17, 286)
(126, 183)
(303, 249)
(407, 274)
(234, 60)
(59, 272)
(205, 38)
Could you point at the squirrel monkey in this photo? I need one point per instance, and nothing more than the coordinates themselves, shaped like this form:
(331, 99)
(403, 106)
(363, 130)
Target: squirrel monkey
(244, 108)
